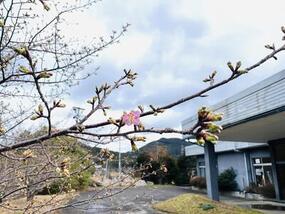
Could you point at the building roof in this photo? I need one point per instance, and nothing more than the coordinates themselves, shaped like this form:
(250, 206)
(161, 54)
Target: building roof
(256, 113)
(224, 146)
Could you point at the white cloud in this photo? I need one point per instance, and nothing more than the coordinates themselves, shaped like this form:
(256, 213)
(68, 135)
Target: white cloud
(131, 50)
(157, 82)
(253, 22)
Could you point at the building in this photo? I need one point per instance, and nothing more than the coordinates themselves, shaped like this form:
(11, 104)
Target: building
(251, 161)
(255, 116)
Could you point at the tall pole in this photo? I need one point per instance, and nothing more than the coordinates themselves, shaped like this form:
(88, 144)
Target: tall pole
(106, 170)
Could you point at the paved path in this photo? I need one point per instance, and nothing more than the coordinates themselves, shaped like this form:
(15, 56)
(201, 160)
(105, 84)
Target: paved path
(138, 200)
(135, 200)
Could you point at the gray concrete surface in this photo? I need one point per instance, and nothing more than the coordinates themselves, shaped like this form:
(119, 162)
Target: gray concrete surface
(138, 200)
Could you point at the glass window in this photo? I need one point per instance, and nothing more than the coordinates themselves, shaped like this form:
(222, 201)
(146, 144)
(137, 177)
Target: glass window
(266, 160)
(262, 170)
(257, 160)
(201, 163)
(201, 168)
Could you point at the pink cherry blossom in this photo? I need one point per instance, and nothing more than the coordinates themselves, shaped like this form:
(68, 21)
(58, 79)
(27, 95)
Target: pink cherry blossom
(131, 118)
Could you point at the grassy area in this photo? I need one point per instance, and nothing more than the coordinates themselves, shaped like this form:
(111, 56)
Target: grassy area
(40, 204)
(191, 203)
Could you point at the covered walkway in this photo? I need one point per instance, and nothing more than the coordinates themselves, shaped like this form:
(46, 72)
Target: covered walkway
(255, 115)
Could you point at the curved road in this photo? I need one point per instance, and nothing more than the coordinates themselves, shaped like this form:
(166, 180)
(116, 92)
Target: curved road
(135, 200)
(139, 200)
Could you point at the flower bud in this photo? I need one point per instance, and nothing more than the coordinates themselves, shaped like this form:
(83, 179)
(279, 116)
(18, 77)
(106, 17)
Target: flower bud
(134, 146)
(112, 121)
(213, 128)
(21, 51)
(214, 117)
(238, 65)
(141, 127)
(141, 108)
(44, 74)
(283, 29)
(1, 23)
(231, 66)
(200, 140)
(34, 117)
(24, 70)
(202, 113)
(141, 138)
(2, 130)
(210, 137)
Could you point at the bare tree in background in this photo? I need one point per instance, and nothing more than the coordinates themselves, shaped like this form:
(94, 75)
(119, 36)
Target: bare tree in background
(38, 66)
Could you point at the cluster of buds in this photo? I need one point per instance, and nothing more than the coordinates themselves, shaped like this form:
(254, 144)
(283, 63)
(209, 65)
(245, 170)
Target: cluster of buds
(22, 51)
(24, 70)
(140, 127)
(134, 146)
(139, 138)
(106, 154)
(2, 129)
(156, 111)
(205, 136)
(44, 75)
(58, 104)
(271, 47)
(92, 101)
(211, 78)
(64, 167)
(39, 112)
(206, 115)
(236, 70)
(103, 88)
(131, 76)
(208, 129)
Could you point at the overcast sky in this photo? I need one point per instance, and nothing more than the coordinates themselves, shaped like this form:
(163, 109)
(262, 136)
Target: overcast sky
(174, 45)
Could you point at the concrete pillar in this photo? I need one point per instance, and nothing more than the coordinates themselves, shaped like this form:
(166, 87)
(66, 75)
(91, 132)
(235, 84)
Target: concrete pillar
(274, 172)
(248, 168)
(211, 171)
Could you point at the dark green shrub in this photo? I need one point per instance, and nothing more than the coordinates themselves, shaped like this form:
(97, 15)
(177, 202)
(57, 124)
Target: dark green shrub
(154, 173)
(172, 171)
(53, 188)
(227, 180)
(76, 182)
(185, 166)
(181, 178)
(81, 181)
